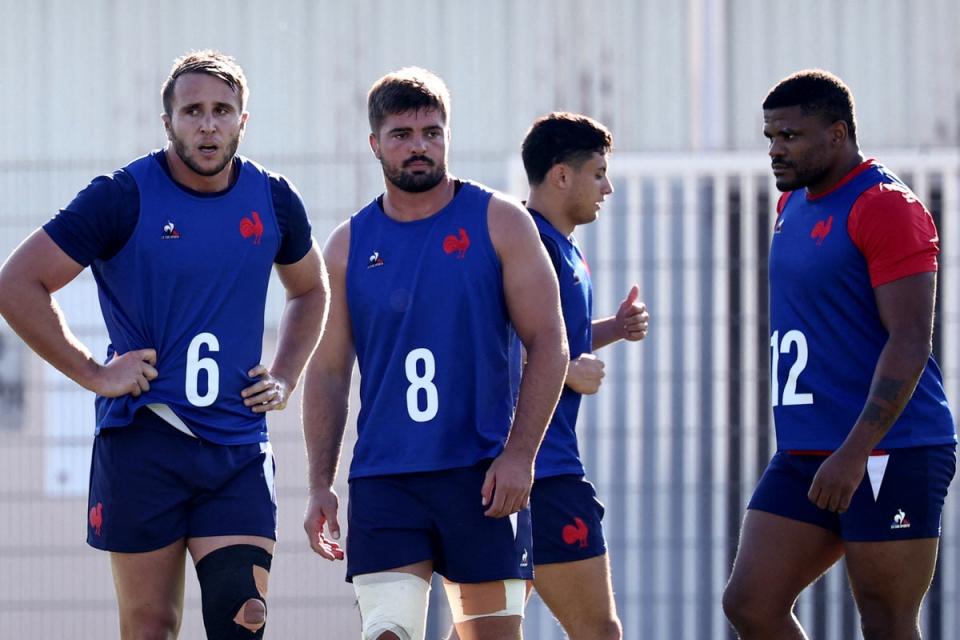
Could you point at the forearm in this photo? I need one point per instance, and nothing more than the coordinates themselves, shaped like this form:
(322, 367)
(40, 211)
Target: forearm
(36, 317)
(325, 405)
(605, 331)
(543, 379)
(300, 327)
(895, 377)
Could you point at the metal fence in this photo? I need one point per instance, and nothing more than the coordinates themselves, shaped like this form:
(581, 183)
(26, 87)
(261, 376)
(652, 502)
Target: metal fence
(674, 441)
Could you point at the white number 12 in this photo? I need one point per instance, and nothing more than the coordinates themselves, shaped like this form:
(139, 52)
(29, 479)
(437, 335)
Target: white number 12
(790, 395)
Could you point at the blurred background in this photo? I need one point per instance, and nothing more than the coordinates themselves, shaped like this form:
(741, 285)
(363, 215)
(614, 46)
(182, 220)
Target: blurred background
(678, 434)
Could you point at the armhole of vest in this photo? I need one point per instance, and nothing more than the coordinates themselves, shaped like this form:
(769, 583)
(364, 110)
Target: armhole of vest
(350, 249)
(275, 181)
(487, 197)
(139, 220)
(553, 250)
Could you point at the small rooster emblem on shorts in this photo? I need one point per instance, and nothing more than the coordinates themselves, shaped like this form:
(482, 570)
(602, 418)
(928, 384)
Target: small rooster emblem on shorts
(576, 532)
(96, 518)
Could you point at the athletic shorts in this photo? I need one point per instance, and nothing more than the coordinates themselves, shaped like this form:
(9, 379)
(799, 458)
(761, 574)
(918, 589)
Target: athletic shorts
(151, 484)
(401, 519)
(901, 496)
(566, 520)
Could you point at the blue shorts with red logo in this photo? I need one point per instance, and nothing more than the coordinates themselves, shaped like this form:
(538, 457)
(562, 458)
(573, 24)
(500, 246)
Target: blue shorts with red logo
(900, 498)
(566, 520)
(151, 484)
(401, 519)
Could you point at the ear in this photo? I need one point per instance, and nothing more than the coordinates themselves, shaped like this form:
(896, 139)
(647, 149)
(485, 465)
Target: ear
(167, 125)
(839, 133)
(243, 123)
(375, 146)
(558, 176)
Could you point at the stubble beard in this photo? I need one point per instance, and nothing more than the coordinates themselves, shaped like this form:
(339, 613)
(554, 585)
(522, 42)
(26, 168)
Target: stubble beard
(414, 182)
(230, 151)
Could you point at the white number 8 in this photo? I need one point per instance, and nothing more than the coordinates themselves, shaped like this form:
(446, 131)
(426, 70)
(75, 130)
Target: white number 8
(196, 364)
(418, 383)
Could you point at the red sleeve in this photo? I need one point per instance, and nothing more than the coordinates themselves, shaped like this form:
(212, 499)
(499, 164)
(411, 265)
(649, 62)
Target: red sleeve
(782, 202)
(894, 232)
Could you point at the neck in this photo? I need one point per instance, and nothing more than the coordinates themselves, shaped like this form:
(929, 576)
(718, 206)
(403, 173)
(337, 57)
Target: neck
(187, 177)
(551, 209)
(406, 206)
(844, 166)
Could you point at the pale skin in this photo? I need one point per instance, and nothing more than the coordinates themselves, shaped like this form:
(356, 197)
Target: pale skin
(207, 114)
(580, 594)
(779, 557)
(533, 309)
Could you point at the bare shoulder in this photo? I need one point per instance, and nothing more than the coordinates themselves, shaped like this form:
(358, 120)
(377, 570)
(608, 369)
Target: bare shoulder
(510, 224)
(337, 247)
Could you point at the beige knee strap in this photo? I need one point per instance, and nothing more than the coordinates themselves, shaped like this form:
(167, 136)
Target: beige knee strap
(472, 601)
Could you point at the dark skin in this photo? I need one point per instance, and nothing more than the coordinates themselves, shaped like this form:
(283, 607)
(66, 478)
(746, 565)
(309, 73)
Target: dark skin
(807, 151)
(779, 557)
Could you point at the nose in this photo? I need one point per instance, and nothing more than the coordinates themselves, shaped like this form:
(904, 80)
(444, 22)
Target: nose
(607, 186)
(418, 144)
(776, 149)
(207, 123)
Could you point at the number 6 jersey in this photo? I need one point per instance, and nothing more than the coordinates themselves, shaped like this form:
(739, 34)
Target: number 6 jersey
(432, 337)
(186, 274)
(827, 255)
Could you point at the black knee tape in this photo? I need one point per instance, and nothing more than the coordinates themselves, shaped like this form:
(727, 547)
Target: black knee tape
(226, 582)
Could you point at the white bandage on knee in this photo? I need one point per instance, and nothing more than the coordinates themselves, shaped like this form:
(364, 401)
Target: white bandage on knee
(392, 601)
(514, 594)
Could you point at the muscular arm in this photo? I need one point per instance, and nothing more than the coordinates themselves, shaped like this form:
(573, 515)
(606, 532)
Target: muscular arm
(533, 302)
(34, 271)
(326, 390)
(301, 323)
(906, 309)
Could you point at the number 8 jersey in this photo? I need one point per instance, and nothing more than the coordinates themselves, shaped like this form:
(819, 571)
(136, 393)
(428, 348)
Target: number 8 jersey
(827, 255)
(432, 337)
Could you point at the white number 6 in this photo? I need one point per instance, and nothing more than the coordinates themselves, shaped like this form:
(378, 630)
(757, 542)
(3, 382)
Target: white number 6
(196, 364)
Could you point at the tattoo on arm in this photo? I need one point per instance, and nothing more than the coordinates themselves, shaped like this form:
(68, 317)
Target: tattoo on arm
(887, 399)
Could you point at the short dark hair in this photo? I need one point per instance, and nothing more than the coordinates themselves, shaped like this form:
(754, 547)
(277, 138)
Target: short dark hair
(404, 90)
(213, 63)
(562, 137)
(816, 91)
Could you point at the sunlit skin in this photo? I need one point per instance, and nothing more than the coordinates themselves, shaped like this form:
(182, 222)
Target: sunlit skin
(589, 187)
(204, 129)
(412, 149)
(807, 151)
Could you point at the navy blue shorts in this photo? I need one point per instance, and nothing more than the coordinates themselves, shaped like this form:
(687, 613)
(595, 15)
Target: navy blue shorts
(901, 496)
(151, 484)
(401, 519)
(566, 520)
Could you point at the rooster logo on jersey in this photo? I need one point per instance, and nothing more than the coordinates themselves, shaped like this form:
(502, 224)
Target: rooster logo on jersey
(170, 231)
(252, 228)
(374, 260)
(458, 245)
(821, 230)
